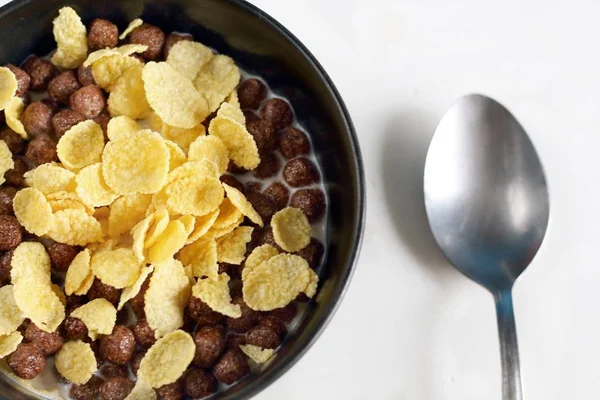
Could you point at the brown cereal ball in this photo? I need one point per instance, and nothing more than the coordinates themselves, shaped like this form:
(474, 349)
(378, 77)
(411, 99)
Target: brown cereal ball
(233, 182)
(74, 329)
(199, 383)
(286, 314)
(144, 334)
(102, 34)
(210, 343)
(172, 391)
(14, 141)
(47, 343)
(61, 255)
(250, 115)
(62, 86)
(65, 120)
(269, 166)
(37, 119)
(5, 266)
(311, 202)
(15, 176)
(253, 187)
(27, 361)
(262, 236)
(151, 36)
(263, 336)
(300, 172)
(88, 391)
(103, 119)
(275, 324)
(116, 388)
(118, 347)
(101, 290)
(264, 135)
(293, 143)
(251, 93)
(201, 313)
(11, 233)
(136, 361)
(173, 38)
(279, 193)
(231, 367)
(95, 346)
(312, 253)
(246, 321)
(84, 75)
(74, 301)
(235, 341)
(110, 371)
(23, 80)
(263, 205)
(41, 72)
(41, 150)
(89, 101)
(7, 195)
(278, 112)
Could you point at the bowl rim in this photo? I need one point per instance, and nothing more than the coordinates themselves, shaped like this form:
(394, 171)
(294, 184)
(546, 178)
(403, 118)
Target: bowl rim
(266, 379)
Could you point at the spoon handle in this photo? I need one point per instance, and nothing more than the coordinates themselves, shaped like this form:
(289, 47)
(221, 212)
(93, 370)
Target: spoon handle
(509, 348)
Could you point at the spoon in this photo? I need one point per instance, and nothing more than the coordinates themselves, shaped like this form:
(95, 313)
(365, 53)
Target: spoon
(487, 203)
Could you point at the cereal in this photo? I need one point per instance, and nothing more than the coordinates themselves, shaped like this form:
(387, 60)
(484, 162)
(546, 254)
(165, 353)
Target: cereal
(210, 342)
(195, 196)
(108, 69)
(216, 80)
(76, 362)
(240, 144)
(173, 96)
(9, 343)
(99, 316)
(81, 145)
(170, 241)
(42, 149)
(50, 178)
(92, 189)
(131, 291)
(118, 347)
(195, 169)
(231, 367)
(210, 148)
(121, 125)
(23, 80)
(8, 86)
(251, 93)
(242, 204)
(11, 316)
(85, 286)
(231, 247)
(215, 293)
(102, 34)
(62, 86)
(257, 354)
(118, 268)
(137, 163)
(125, 50)
(141, 391)
(139, 232)
(177, 156)
(89, 101)
(278, 112)
(257, 257)
(39, 303)
(33, 211)
(201, 255)
(202, 226)
(127, 95)
(79, 271)
(30, 262)
(166, 297)
(132, 25)
(125, 212)
(167, 360)
(75, 227)
(151, 36)
(6, 161)
(71, 39)
(291, 229)
(12, 111)
(228, 215)
(188, 57)
(158, 226)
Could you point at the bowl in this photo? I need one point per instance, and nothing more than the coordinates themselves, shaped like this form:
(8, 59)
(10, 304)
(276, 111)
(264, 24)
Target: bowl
(261, 46)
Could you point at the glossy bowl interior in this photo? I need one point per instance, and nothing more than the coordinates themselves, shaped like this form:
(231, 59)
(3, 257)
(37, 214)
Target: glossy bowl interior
(261, 46)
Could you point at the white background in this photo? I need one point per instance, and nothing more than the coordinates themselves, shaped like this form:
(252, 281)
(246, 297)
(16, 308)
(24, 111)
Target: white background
(410, 327)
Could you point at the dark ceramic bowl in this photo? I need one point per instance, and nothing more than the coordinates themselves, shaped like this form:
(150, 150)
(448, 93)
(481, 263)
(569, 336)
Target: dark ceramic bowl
(261, 46)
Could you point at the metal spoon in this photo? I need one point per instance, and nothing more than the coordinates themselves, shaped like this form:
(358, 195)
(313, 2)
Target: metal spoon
(487, 203)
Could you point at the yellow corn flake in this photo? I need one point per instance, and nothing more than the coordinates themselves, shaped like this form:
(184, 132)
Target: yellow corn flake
(137, 163)
(76, 361)
(195, 169)
(276, 282)
(215, 293)
(92, 189)
(167, 359)
(60, 294)
(108, 70)
(121, 125)
(313, 283)
(71, 39)
(126, 212)
(33, 211)
(189, 222)
(81, 145)
(6, 161)
(202, 226)
(158, 226)
(86, 285)
(167, 295)
(291, 229)
(38, 302)
(118, 268)
(240, 144)
(131, 291)
(217, 79)
(132, 25)
(141, 391)
(232, 111)
(180, 136)
(65, 204)
(228, 214)
(125, 50)
(215, 233)
(257, 354)
(8, 86)
(30, 262)
(188, 57)
(99, 316)
(11, 316)
(231, 247)
(258, 256)
(78, 272)
(242, 204)
(195, 196)
(51, 178)
(75, 227)
(177, 156)
(173, 97)
(168, 243)
(138, 233)
(127, 96)
(202, 257)
(9, 343)
(211, 148)
(12, 111)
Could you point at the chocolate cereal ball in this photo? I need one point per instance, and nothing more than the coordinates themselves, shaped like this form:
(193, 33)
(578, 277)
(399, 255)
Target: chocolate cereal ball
(263, 336)
(201, 313)
(269, 166)
(253, 187)
(110, 371)
(293, 143)
(235, 341)
(65, 120)
(144, 334)
(11, 232)
(41, 72)
(48, 343)
(102, 34)
(7, 195)
(251, 93)
(210, 343)
(118, 347)
(231, 367)
(74, 329)
(89, 101)
(172, 391)
(278, 112)
(311, 202)
(5, 266)
(41, 150)
(37, 119)
(300, 172)
(173, 38)
(264, 135)
(286, 314)
(151, 36)
(199, 383)
(279, 193)
(14, 141)
(84, 75)
(101, 290)
(312, 253)
(246, 321)
(263, 205)
(61, 255)
(15, 176)
(233, 182)
(275, 324)
(63, 86)
(88, 391)
(116, 388)
(136, 360)
(27, 361)
(23, 80)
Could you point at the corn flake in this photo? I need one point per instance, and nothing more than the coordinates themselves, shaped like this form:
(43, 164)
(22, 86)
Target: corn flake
(30, 262)
(195, 169)
(215, 233)
(127, 96)
(76, 361)
(81, 145)
(257, 257)
(38, 302)
(202, 257)
(92, 189)
(228, 214)
(188, 57)
(33, 211)
(51, 177)
(130, 28)
(71, 39)
(231, 247)
(8, 86)
(167, 359)
(141, 391)
(75, 227)
(99, 316)
(78, 272)
(125, 50)
(257, 354)
(240, 143)
(131, 291)
(177, 156)
(86, 285)
(121, 125)
(9, 343)
(107, 70)
(211, 148)
(118, 268)
(157, 227)
(126, 212)
(202, 226)
(217, 79)
(6, 161)
(291, 229)
(11, 316)
(195, 196)
(189, 222)
(242, 204)
(170, 241)
(12, 111)
(215, 293)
